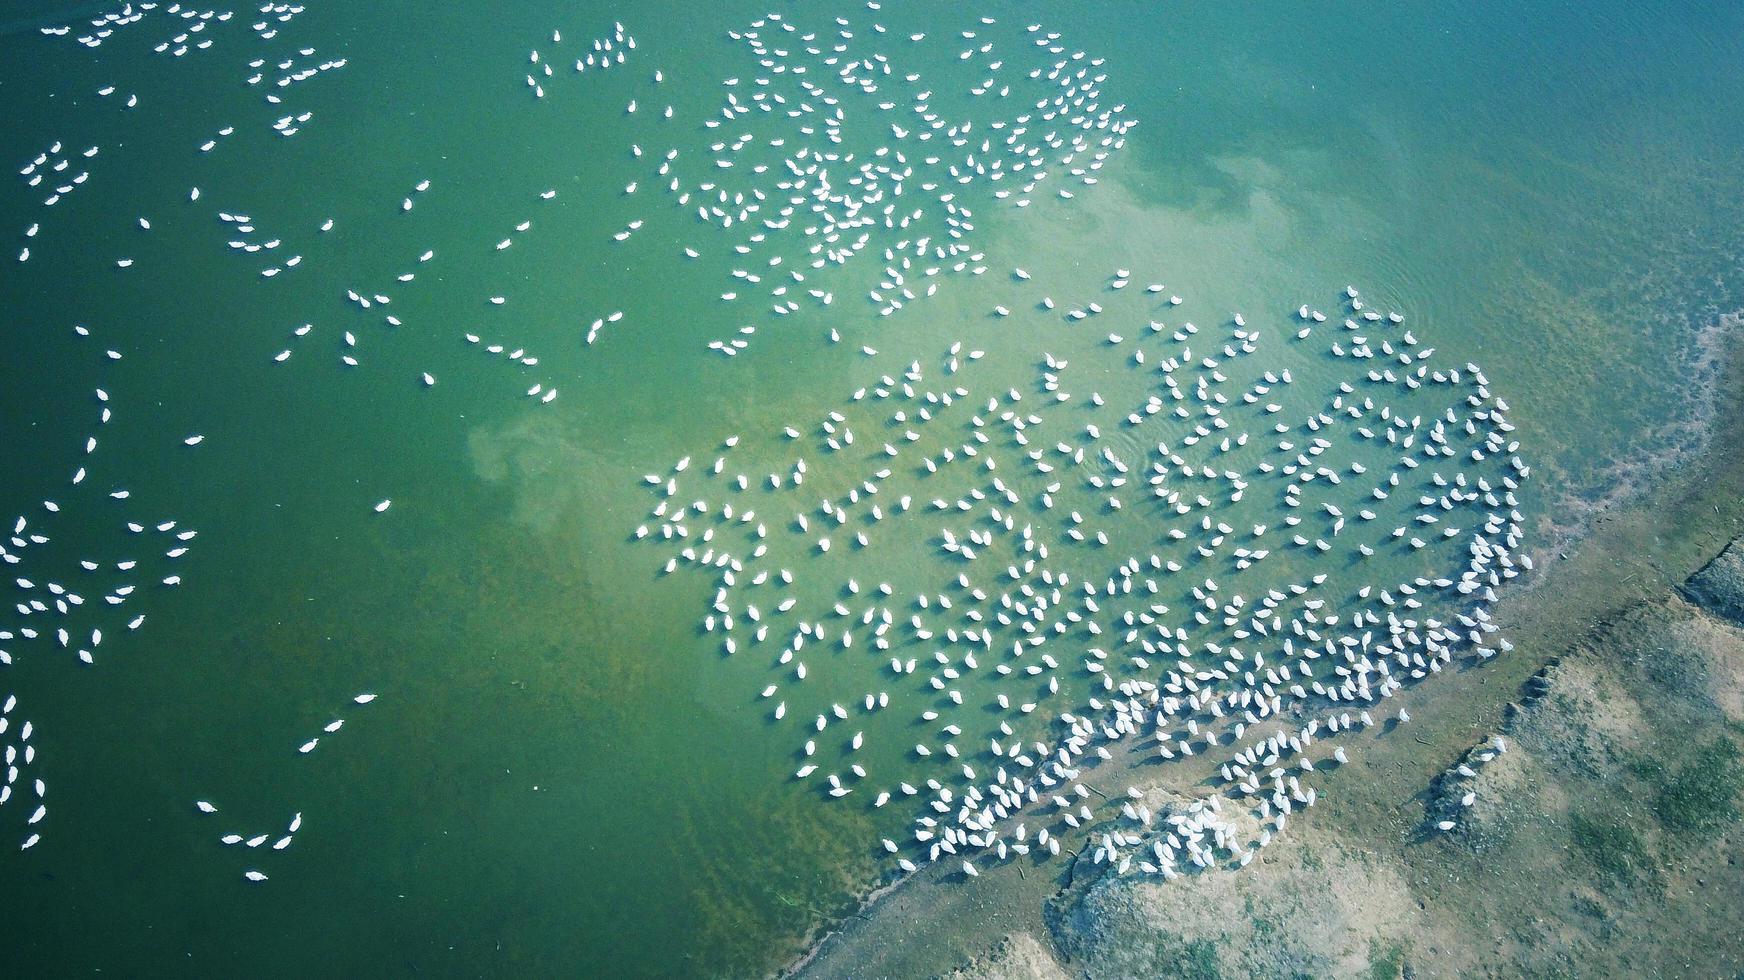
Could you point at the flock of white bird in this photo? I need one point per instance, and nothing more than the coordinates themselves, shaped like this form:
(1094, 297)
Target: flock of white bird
(50, 611)
(283, 841)
(1228, 558)
(50, 168)
(815, 191)
(69, 602)
(20, 754)
(105, 25)
(795, 187)
(805, 203)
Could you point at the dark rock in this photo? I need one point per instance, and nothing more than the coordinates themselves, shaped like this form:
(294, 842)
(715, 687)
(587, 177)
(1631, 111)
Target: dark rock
(1719, 587)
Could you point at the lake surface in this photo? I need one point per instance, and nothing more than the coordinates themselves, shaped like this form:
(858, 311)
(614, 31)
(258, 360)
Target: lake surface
(563, 774)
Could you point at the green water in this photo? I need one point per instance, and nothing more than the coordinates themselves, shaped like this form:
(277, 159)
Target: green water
(562, 775)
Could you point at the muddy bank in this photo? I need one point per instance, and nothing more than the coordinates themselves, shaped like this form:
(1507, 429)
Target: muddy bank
(1609, 826)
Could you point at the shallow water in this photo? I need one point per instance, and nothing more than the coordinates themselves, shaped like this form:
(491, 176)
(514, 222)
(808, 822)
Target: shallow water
(562, 773)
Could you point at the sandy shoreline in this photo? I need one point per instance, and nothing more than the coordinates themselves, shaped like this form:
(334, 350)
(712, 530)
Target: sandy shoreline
(1654, 526)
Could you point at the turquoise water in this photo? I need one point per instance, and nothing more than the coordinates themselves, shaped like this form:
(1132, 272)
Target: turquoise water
(1555, 195)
